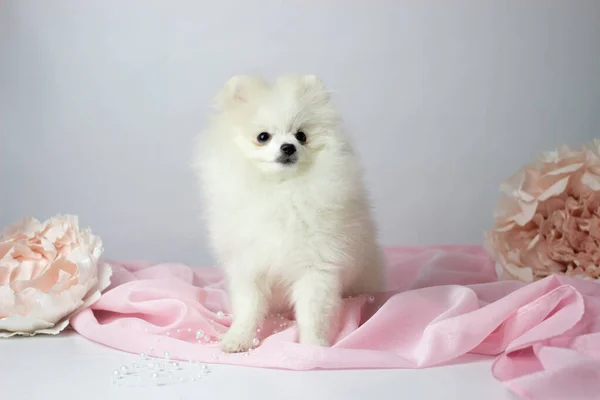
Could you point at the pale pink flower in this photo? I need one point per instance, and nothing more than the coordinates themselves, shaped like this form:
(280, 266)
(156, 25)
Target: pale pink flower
(548, 221)
(48, 272)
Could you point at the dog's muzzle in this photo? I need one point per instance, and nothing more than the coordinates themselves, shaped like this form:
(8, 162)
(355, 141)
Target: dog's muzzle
(288, 156)
(287, 160)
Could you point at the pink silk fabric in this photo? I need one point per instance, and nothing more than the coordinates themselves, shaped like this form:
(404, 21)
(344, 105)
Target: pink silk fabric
(443, 302)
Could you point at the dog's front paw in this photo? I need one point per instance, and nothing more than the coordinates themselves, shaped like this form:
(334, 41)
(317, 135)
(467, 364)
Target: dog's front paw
(314, 340)
(236, 342)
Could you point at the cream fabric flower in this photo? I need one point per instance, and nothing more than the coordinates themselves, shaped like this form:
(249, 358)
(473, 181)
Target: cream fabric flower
(48, 272)
(549, 218)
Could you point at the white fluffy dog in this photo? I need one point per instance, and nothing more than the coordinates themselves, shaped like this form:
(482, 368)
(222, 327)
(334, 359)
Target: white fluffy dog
(286, 207)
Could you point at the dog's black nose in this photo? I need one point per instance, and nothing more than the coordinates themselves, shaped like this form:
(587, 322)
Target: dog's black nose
(288, 149)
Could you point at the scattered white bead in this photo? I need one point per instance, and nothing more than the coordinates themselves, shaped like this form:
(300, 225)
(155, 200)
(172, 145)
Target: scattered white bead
(199, 334)
(255, 342)
(371, 299)
(220, 315)
(143, 355)
(154, 372)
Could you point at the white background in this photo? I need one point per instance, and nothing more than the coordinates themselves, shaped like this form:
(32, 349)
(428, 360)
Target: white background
(69, 367)
(100, 101)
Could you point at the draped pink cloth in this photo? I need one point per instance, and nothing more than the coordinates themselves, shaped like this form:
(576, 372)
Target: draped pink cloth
(443, 302)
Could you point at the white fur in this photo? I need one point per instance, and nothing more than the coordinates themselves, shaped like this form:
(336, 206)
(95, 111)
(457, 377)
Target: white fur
(296, 236)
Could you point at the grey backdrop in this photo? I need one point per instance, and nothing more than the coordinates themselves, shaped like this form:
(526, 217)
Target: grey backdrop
(100, 100)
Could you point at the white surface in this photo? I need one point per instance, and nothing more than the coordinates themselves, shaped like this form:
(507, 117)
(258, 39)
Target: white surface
(71, 367)
(100, 100)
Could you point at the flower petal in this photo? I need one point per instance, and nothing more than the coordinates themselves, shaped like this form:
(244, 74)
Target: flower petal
(590, 180)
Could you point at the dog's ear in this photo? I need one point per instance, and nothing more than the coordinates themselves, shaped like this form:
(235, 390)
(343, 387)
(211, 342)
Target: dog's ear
(313, 82)
(238, 90)
(312, 86)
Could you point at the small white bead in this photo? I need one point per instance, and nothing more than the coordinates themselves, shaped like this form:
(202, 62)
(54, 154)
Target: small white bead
(116, 373)
(255, 342)
(199, 334)
(178, 330)
(154, 375)
(371, 299)
(220, 315)
(124, 369)
(168, 333)
(167, 355)
(257, 330)
(189, 329)
(143, 355)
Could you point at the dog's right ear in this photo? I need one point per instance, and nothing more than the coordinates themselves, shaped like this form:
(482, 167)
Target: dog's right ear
(238, 90)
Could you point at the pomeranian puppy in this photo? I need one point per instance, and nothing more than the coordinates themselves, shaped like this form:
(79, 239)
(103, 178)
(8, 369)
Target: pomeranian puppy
(286, 208)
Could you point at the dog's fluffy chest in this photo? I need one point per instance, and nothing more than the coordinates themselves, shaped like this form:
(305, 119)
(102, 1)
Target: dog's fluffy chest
(281, 214)
(281, 225)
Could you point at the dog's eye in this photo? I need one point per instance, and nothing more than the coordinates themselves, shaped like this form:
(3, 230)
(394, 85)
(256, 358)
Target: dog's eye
(301, 137)
(263, 137)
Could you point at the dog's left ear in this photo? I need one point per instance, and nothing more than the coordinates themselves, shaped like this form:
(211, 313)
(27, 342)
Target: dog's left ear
(312, 89)
(314, 85)
(238, 90)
